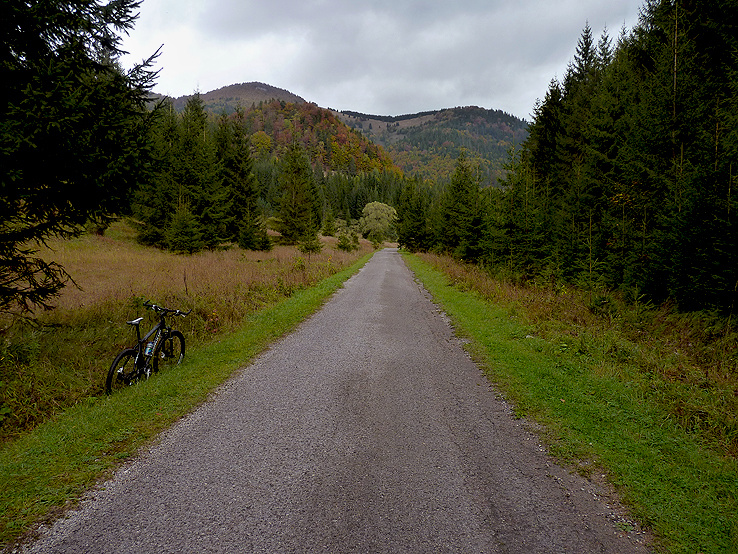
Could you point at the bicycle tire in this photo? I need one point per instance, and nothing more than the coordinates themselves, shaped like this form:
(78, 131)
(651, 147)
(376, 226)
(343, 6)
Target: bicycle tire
(169, 352)
(123, 371)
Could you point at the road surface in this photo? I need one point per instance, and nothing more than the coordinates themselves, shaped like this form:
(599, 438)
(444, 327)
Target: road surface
(368, 429)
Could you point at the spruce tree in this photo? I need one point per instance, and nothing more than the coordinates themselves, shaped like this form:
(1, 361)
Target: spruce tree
(238, 180)
(297, 204)
(329, 223)
(73, 133)
(184, 233)
(196, 173)
(155, 200)
(459, 212)
(311, 244)
(412, 217)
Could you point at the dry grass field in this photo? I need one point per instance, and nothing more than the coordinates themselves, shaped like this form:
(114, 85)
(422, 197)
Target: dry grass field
(63, 357)
(113, 268)
(686, 362)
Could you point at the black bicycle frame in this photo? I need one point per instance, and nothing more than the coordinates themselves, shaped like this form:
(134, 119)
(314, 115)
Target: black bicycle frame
(142, 356)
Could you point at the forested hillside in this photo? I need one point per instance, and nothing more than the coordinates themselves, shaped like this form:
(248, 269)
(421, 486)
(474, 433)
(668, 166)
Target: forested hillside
(425, 144)
(220, 179)
(627, 180)
(428, 143)
(331, 145)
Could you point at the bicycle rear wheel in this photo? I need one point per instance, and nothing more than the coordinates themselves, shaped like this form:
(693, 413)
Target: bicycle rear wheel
(169, 352)
(122, 372)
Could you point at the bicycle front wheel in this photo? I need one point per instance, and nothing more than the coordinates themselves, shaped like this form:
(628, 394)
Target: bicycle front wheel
(169, 352)
(122, 372)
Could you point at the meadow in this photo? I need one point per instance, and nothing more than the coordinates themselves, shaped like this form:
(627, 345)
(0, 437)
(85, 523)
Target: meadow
(62, 357)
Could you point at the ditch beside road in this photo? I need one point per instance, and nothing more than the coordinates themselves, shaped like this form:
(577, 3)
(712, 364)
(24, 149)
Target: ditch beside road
(368, 429)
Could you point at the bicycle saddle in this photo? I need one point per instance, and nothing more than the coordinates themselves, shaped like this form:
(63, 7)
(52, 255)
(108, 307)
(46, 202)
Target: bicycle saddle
(135, 321)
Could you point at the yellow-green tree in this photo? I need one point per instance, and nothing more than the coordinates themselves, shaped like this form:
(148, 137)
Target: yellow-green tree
(377, 222)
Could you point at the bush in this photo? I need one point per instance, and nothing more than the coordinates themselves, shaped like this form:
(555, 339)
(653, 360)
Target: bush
(348, 243)
(184, 234)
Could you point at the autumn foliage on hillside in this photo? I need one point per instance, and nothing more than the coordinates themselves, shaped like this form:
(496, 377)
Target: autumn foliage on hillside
(329, 143)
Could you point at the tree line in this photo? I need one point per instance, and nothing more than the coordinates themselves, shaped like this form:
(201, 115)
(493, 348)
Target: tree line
(81, 144)
(223, 179)
(627, 180)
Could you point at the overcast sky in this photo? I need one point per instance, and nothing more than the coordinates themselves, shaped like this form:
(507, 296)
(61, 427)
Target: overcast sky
(382, 57)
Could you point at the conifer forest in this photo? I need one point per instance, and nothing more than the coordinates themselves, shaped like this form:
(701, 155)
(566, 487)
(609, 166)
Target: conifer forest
(627, 180)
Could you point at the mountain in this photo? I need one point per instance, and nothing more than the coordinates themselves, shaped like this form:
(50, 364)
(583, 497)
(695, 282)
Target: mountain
(425, 143)
(243, 94)
(428, 143)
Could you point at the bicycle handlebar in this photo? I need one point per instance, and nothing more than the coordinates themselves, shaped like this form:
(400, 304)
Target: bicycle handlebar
(161, 309)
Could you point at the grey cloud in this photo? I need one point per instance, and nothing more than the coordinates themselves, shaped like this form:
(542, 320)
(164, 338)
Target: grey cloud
(399, 56)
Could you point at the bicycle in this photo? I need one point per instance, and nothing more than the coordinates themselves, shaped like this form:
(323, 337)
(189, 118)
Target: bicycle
(161, 345)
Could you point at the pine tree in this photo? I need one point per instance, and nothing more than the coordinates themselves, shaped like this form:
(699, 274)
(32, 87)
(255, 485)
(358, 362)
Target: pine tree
(579, 209)
(155, 200)
(238, 180)
(184, 233)
(297, 205)
(520, 231)
(196, 173)
(412, 217)
(459, 212)
(345, 243)
(329, 223)
(310, 245)
(73, 133)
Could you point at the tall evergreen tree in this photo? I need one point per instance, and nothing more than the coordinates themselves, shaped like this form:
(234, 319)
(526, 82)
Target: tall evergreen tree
(196, 173)
(73, 132)
(520, 231)
(459, 212)
(412, 217)
(297, 205)
(238, 179)
(154, 201)
(579, 212)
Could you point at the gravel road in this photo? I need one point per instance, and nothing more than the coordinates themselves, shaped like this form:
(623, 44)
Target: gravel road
(368, 429)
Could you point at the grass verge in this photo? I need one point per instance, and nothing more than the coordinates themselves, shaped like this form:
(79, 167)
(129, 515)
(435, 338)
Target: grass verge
(49, 468)
(674, 483)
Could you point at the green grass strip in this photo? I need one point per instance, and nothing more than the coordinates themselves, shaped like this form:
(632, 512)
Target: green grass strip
(686, 494)
(44, 471)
